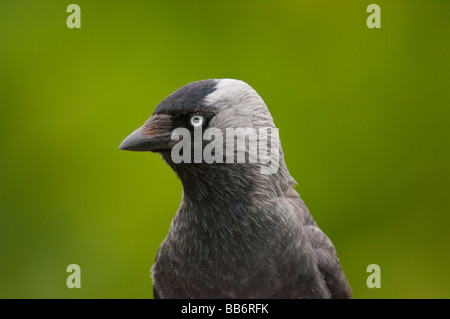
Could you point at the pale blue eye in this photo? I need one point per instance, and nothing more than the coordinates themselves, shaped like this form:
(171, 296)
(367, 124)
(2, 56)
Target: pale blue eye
(197, 120)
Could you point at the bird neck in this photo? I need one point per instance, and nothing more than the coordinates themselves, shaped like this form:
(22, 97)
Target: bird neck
(225, 184)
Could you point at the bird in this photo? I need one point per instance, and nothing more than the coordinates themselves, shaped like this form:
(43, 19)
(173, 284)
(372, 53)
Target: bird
(239, 232)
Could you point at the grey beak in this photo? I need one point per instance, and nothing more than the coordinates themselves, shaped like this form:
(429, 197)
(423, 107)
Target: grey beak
(153, 136)
(136, 141)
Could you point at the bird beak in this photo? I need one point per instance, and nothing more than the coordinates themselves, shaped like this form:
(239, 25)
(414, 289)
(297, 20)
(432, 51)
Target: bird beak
(154, 135)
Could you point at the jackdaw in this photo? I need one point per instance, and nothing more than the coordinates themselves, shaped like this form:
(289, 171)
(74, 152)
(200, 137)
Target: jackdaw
(240, 231)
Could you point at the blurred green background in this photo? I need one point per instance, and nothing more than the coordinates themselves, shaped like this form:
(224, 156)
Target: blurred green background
(363, 116)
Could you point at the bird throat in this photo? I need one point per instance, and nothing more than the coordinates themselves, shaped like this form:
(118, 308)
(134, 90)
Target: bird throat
(229, 183)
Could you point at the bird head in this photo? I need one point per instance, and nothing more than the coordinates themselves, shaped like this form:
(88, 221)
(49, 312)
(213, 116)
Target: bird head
(220, 106)
(175, 111)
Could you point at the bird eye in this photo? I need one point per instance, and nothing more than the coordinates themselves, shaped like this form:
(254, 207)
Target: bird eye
(196, 120)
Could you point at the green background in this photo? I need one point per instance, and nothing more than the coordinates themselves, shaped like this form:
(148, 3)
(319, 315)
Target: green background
(363, 116)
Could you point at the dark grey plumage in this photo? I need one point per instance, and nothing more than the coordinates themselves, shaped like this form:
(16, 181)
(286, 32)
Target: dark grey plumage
(237, 233)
